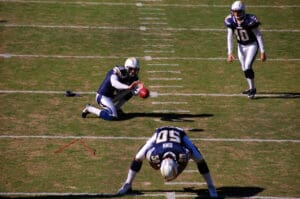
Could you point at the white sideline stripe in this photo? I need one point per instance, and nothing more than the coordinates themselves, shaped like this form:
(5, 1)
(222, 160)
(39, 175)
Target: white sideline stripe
(147, 58)
(141, 4)
(142, 138)
(136, 28)
(155, 93)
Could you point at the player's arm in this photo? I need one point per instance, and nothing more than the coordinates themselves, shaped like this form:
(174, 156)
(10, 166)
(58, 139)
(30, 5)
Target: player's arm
(119, 85)
(230, 56)
(259, 39)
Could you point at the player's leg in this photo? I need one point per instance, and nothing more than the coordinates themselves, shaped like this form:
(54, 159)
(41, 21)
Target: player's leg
(251, 52)
(121, 98)
(204, 171)
(107, 113)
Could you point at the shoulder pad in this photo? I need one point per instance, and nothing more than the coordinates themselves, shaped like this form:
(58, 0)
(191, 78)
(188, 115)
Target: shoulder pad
(117, 70)
(229, 22)
(252, 20)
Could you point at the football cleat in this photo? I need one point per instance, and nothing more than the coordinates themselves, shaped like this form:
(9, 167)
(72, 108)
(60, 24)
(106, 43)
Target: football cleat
(251, 94)
(126, 188)
(85, 111)
(212, 192)
(246, 92)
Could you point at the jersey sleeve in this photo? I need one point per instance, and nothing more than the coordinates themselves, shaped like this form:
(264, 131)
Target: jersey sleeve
(253, 21)
(196, 155)
(116, 83)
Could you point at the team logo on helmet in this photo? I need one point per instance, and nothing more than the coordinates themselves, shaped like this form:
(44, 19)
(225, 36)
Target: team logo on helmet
(168, 169)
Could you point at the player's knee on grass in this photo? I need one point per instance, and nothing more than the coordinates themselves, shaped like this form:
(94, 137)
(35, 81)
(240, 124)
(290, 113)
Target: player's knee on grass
(106, 114)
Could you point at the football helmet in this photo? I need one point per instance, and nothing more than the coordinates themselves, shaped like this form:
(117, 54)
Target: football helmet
(132, 66)
(238, 7)
(168, 169)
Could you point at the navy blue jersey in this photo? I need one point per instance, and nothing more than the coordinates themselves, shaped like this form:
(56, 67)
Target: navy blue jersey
(169, 142)
(243, 31)
(106, 87)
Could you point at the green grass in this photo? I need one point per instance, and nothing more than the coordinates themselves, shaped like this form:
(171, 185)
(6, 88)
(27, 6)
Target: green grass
(258, 168)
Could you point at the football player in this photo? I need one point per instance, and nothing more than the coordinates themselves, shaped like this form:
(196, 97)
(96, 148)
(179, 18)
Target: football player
(119, 85)
(249, 38)
(168, 150)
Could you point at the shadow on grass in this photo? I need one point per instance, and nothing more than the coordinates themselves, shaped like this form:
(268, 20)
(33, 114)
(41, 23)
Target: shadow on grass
(170, 117)
(279, 95)
(223, 192)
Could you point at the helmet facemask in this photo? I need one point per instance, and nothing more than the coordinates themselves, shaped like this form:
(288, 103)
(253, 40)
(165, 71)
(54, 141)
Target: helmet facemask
(132, 66)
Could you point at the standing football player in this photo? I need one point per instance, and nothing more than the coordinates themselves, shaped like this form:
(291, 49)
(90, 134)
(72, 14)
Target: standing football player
(119, 85)
(249, 38)
(168, 150)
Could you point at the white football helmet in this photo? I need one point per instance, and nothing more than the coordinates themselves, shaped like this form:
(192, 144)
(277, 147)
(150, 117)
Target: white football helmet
(168, 169)
(238, 6)
(133, 64)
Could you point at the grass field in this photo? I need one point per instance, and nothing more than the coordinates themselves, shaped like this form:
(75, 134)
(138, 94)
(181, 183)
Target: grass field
(48, 47)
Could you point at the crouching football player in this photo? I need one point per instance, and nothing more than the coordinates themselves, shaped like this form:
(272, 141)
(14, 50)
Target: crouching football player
(168, 150)
(119, 85)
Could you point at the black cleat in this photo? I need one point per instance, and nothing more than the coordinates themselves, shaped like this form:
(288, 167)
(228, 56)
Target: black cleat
(246, 92)
(251, 94)
(85, 112)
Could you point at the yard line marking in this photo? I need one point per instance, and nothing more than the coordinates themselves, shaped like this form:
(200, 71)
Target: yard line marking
(161, 64)
(165, 79)
(147, 58)
(9, 136)
(165, 86)
(284, 95)
(140, 4)
(164, 71)
(159, 51)
(158, 103)
(147, 21)
(185, 183)
(171, 111)
(158, 194)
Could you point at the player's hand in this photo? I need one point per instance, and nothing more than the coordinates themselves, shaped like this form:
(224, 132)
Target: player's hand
(263, 57)
(133, 85)
(230, 58)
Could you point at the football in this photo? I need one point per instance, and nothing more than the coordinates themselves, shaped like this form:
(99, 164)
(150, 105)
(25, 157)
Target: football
(144, 92)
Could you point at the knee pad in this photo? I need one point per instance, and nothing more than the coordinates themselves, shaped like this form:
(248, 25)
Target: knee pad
(136, 165)
(249, 73)
(202, 167)
(106, 114)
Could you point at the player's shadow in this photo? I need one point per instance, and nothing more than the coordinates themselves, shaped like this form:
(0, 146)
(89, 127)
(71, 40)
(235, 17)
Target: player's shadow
(223, 192)
(170, 117)
(278, 95)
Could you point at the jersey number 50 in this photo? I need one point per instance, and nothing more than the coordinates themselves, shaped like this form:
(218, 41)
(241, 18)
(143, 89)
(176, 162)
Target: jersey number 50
(168, 136)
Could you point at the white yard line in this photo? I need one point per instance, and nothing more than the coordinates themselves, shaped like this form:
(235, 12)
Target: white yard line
(147, 58)
(156, 94)
(9, 136)
(145, 4)
(147, 19)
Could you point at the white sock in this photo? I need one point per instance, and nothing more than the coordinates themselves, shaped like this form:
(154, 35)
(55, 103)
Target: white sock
(130, 177)
(251, 83)
(94, 110)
